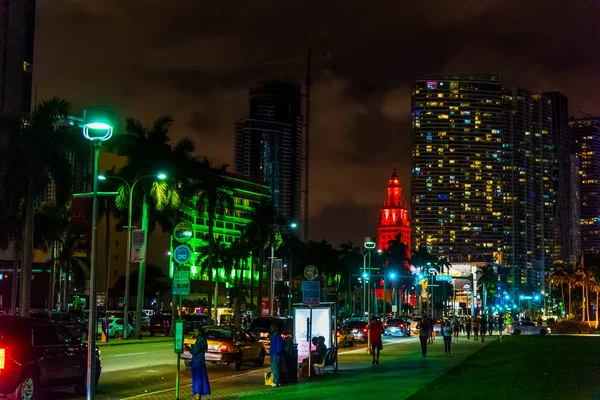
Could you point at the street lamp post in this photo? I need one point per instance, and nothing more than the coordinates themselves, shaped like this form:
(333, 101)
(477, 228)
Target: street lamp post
(369, 245)
(293, 226)
(130, 189)
(97, 127)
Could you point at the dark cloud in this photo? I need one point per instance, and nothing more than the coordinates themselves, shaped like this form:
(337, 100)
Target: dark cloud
(196, 59)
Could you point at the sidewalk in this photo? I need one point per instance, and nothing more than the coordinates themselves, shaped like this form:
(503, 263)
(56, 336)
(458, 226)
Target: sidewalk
(402, 372)
(146, 340)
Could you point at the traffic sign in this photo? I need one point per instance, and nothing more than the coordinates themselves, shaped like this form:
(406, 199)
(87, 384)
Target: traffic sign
(311, 292)
(394, 308)
(181, 280)
(311, 272)
(178, 336)
(183, 232)
(182, 253)
(443, 278)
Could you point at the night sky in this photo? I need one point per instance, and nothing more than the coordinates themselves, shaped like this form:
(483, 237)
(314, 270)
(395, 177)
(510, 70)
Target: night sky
(197, 59)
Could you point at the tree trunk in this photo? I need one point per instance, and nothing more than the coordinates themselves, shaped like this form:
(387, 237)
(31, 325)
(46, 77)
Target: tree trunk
(142, 272)
(583, 305)
(107, 254)
(569, 301)
(259, 296)
(252, 269)
(14, 294)
(238, 297)
(211, 239)
(597, 310)
(562, 289)
(25, 301)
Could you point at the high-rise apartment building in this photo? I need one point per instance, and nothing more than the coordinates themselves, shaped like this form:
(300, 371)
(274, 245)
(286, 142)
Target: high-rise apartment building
(529, 188)
(568, 247)
(457, 166)
(585, 144)
(17, 25)
(268, 144)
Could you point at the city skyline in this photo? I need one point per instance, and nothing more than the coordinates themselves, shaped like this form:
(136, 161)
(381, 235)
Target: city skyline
(200, 72)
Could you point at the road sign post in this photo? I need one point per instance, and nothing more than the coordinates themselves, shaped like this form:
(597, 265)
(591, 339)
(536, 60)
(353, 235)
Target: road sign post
(178, 351)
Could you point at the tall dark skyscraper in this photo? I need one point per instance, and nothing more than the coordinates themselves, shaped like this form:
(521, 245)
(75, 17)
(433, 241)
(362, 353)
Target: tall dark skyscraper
(268, 144)
(567, 232)
(457, 166)
(585, 144)
(529, 187)
(17, 25)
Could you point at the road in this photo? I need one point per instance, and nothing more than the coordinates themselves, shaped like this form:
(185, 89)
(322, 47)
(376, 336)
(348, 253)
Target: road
(138, 369)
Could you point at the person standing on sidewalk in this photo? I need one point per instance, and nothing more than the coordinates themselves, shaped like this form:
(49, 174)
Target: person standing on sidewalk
(200, 383)
(483, 328)
(468, 328)
(276, 354)
(491, 326)
(447, 335)
(376, 330)
(475, 323)
(455, 328)
(424, 334)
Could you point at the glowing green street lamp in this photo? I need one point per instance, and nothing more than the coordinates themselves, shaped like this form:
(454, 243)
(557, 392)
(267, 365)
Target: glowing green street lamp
(141, 277)
(97, 127)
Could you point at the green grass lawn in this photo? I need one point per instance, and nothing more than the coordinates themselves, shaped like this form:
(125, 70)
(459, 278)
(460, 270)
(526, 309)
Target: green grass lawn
(524, 367)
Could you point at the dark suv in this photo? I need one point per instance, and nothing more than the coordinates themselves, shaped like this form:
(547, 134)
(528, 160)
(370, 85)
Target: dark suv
(37, 354)
(160, 323)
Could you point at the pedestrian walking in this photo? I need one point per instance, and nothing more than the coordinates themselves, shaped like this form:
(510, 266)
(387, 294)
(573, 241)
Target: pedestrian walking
(455, 328)
(483, 328)
(468, 328)
(277, 346)
(491, 326)
(500, 324)
(447, 335)
(424, 334)
(376, 330)
(430, 330)
(200, 383)
(475, 324)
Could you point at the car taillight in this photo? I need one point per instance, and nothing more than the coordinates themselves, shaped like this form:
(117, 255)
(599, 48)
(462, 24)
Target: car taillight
(364, 330)
(2, 358)
(338, 334)
(354, 330)
(401, 326)
(223, 348)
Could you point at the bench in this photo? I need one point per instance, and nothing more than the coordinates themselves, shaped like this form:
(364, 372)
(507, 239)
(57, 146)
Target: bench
(329, 360)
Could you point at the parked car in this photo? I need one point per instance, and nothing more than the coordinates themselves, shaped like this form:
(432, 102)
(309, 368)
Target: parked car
(228, 345)
(160, 323)
(359, 330)
(414, 326)
(38, 354)
(193, 321)
(260, 329)
(71, 321)
(345, 337)
(116, 328)
(526, 328)
(397, 327)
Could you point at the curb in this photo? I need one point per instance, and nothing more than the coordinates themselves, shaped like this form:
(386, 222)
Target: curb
(121, 342)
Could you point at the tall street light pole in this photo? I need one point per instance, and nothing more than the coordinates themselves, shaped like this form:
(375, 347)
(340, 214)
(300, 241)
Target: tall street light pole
(97, 127)
(129, 227)
(293, 226)
(369, 245)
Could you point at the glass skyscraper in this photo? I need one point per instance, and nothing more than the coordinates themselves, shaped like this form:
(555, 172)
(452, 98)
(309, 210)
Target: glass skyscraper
(268, 144)
(457, 166)
(585, 144)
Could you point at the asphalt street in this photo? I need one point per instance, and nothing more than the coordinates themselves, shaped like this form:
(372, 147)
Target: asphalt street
(137, 370)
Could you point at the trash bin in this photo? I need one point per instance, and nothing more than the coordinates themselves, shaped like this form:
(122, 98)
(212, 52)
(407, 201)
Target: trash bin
(290, 362)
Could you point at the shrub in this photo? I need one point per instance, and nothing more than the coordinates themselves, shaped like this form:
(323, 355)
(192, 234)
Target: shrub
(570, 327)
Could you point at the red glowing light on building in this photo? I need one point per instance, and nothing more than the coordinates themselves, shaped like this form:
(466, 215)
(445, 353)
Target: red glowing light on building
(394, 216)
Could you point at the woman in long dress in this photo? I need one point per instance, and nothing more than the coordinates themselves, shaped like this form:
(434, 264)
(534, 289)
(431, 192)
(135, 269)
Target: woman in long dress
(200, 384)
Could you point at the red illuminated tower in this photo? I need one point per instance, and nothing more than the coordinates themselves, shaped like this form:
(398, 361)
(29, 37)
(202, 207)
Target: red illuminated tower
(394, 216)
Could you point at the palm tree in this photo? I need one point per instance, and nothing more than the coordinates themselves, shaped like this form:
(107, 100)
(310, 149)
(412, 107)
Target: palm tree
(488, 279)
(351, 260)
(566, 274)
(148, 151)
(238, 253)
(35, 151)
(215, 200)
(264, 231)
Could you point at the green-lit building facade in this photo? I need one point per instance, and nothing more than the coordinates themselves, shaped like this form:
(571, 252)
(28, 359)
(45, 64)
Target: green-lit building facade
(246, 194)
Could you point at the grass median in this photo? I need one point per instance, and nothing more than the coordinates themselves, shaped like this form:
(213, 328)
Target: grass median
(524, 367)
